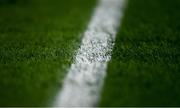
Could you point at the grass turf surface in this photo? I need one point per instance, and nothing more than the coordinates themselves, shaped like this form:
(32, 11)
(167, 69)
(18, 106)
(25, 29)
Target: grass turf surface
(37, 42)
(145, 65)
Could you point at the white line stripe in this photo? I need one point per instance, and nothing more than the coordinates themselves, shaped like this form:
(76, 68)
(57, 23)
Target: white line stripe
(85, 79)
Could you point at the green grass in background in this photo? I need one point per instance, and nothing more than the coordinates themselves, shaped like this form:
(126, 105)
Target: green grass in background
(37, 42)
(145, 65)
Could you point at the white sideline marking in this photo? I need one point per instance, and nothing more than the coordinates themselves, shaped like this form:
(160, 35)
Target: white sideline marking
(85, 78)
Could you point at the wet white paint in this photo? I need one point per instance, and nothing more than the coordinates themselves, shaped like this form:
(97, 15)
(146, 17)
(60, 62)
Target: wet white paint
(86, 75)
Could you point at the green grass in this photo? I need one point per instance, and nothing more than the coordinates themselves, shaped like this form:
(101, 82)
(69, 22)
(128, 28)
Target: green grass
(145, 65)
(37, 42)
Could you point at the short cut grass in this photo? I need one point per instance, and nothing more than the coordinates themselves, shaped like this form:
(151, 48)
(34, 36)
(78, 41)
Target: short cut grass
(145, 65)
(37, 43)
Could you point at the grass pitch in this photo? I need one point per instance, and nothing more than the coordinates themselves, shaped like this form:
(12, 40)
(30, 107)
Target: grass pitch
(37, 43)
(38, 39)
(145, 65)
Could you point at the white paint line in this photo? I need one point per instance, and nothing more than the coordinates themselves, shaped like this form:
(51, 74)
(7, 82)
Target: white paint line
(86, 75)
